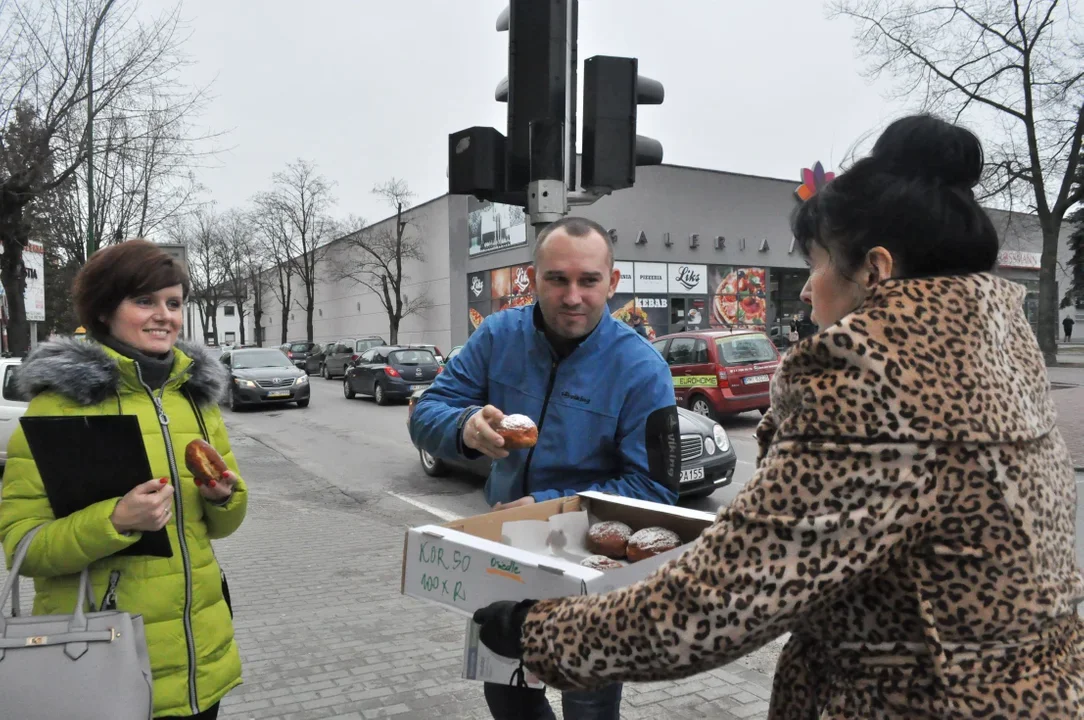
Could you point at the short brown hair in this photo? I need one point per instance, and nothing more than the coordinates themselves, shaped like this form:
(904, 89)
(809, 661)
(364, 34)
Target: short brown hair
(576, 227)
(130, 269)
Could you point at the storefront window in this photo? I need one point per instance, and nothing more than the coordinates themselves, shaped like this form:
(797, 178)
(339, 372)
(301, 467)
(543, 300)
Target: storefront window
(786, 299)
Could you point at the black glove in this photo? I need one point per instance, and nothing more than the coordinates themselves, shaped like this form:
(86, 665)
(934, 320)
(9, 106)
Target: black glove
(502, 626)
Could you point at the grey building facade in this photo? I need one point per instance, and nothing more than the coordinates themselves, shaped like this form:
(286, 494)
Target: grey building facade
(697, 248)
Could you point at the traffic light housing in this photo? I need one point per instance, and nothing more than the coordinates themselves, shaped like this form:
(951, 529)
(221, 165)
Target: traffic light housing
(540, 86)
(612, 90)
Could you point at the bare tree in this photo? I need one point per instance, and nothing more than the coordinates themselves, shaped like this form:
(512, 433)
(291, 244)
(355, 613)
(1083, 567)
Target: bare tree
(201, 232)
(273, 243)
(143, 177)
(236, 256)
(48, 49)
(374, 257)
(1019, 67)
(303, 198)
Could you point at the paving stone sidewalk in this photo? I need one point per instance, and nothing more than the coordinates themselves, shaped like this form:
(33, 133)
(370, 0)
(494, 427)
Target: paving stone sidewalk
(325, 633)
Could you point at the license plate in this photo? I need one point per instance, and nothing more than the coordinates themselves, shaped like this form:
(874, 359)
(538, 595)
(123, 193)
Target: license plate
(418, 387)
(692, 474)
(755, 379)
(278, 393)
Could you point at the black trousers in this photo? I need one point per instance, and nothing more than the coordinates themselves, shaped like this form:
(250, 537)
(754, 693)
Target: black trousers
(210, 713)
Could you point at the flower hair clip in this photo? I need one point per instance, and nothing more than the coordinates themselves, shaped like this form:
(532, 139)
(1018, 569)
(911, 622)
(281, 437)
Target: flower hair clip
(813, 181)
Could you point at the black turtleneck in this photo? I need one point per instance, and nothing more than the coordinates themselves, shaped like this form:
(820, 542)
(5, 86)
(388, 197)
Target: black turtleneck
(154, 369)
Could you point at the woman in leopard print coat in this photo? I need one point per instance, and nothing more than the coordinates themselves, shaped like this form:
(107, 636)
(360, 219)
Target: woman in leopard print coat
(911, 519)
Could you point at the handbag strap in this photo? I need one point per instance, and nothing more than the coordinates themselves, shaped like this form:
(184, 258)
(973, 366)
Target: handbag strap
(11, 586)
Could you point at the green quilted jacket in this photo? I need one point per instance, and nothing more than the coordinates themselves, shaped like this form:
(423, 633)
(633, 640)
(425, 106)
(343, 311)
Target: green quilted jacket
(194, 659)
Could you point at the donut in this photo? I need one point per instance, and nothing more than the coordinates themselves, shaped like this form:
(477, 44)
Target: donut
(600, 562)
(519, 432)
(204, 462)
(608, 538)
(650, 542)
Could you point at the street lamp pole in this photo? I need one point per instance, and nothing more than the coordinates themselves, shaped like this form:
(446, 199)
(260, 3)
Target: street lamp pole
(92, 243)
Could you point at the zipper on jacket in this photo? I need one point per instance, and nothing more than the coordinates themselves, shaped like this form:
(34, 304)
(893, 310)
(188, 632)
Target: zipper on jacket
(541, 419)
(175, 479)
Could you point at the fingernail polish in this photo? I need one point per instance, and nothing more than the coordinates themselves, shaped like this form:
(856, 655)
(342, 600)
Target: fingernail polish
(164, 481)
(198, 483)
(210, 483)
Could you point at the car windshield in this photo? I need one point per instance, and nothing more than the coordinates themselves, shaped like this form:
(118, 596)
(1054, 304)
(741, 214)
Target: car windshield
(299, 347)
(412, 357)
(745, 349)
(260, 359)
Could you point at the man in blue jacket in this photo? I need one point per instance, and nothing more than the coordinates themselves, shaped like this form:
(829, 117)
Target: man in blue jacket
(602, 397)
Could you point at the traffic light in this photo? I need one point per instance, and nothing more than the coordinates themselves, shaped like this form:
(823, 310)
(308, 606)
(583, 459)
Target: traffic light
(612, 90)
(533, 164)
(540, 87)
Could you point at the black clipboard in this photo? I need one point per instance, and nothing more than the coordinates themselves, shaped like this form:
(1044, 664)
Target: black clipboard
(85, 459)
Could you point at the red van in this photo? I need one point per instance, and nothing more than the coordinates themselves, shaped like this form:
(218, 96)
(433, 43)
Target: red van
(719, 373)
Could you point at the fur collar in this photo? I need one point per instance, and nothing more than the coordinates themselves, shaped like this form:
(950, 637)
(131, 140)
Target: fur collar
(85, 373)
(932, 359)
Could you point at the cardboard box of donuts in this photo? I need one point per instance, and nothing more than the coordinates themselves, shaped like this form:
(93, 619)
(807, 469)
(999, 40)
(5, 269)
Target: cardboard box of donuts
(587, 543)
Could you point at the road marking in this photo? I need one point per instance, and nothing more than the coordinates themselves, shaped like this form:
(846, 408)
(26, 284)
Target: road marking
(746, 462)
(442, 514)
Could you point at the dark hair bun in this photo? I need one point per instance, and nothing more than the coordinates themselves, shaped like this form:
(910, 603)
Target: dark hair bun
(923, 147)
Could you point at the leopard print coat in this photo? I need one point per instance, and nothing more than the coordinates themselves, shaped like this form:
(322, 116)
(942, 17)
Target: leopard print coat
(910, 523)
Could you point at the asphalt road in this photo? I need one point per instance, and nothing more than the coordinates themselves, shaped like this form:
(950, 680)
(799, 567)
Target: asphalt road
(365, 449)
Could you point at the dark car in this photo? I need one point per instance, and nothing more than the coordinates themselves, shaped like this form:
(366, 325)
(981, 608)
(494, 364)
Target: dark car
(721, 372)
(305, 355)
(707, 457)
(264, 376)
(390, 373)
(339, 355)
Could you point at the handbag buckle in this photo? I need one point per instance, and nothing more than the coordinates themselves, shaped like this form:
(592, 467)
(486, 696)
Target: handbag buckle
(36, 640)
(113, 634)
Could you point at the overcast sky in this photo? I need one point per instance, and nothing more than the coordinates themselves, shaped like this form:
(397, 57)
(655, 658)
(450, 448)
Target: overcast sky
(371, 89)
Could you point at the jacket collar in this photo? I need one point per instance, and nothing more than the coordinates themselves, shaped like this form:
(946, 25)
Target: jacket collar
(940, 359)
(88, 373)
(587, 342)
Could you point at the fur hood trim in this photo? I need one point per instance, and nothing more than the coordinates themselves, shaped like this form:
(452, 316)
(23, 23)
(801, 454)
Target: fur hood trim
(84, 372)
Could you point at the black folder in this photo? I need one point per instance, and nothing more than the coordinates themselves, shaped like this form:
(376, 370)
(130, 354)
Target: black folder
(89, 458)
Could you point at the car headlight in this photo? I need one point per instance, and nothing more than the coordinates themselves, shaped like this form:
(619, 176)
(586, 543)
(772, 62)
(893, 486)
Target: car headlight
(301, 380)
(245, 383)
(709, 446)
(720, 437)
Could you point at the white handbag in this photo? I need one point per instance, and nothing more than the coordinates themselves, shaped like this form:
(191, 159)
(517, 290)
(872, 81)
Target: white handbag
(87, 665)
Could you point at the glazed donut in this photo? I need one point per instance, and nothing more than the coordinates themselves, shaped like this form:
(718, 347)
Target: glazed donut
(204, 462)
(608, 538)
(519, 432)
(650, 542)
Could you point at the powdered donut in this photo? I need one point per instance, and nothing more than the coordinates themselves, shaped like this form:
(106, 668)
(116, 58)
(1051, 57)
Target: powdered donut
(518, 431)
(608, 538)
(650, 542)
(600, 562)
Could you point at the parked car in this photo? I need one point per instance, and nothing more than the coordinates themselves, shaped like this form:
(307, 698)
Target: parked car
(304, 355)
(340, 354)
(390, 373)
(263, 376)
(720, 373)
(452, 353)
(12, 405)
(431, 348)
(707, 457)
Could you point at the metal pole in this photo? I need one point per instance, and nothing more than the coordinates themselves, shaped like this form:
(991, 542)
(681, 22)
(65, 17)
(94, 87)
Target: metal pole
(91, 245)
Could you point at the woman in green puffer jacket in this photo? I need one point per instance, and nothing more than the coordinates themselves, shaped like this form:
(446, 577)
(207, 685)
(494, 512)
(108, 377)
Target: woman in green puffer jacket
(131, 297)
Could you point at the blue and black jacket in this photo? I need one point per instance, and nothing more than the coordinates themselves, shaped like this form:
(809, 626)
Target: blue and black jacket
(605, 413)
